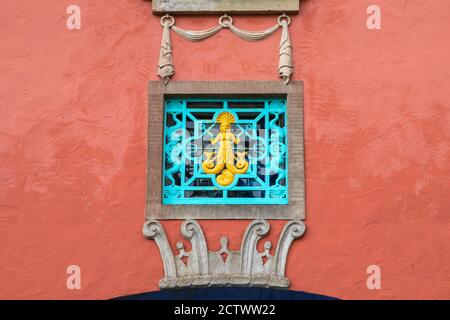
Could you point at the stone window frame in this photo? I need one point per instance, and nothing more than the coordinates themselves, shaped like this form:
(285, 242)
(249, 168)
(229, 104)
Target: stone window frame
(293, 92)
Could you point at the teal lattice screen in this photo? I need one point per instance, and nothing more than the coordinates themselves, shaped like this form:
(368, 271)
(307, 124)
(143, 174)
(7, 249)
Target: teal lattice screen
(247, 136)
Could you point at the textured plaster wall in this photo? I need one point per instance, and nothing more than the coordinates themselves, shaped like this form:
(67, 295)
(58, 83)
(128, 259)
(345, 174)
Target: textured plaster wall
(73, 107)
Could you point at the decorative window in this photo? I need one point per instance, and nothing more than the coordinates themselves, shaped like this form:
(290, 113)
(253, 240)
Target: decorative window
(225, 151)
(254, 168)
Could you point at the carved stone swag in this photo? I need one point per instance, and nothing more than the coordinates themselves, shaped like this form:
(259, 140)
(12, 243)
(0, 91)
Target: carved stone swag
(166, 68)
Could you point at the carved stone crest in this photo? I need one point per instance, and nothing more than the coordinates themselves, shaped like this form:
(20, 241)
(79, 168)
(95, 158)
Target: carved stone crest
(246, 267)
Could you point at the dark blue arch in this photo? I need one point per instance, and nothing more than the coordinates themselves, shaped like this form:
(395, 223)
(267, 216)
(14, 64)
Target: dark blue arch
(226, 293)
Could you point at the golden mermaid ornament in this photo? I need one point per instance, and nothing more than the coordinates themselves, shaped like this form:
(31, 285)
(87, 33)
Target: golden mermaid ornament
(222, 163)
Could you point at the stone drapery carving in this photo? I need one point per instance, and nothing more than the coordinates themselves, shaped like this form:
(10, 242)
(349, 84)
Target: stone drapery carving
(166, 67)
(196, 35)
(285, 66)
(247, 267)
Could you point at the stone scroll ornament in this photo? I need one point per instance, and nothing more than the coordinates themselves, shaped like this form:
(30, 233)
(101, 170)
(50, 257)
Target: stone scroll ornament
(245, 267)
(166, 67)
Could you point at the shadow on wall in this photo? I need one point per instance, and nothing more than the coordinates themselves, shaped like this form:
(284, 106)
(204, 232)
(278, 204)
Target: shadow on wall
(228, 293)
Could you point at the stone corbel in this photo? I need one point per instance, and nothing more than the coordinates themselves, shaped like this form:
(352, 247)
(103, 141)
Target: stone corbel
(246, 267)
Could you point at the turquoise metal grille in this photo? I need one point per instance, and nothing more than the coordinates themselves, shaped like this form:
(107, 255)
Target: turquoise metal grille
(261, 127)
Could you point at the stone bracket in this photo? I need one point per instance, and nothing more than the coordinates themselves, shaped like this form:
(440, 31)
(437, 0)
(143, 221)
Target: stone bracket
(246, 267)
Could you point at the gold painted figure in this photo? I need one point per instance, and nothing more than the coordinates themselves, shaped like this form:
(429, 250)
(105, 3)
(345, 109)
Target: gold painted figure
(223, 163)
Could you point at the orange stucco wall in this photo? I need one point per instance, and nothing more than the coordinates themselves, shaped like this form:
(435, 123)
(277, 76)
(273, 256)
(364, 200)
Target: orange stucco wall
(73, 110)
